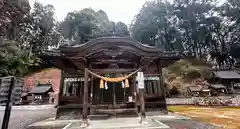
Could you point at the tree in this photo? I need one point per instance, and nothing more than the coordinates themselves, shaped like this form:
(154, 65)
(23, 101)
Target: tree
(156, 25)
(12, 13)
(14, 60)
(197, 27)
(181, 25)
(84, 25)
(42, 30)
(121, 30)
(192, 16)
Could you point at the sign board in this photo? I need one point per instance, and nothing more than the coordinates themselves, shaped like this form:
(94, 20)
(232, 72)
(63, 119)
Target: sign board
(150, 78)
(140, 79)
(75, 79)
(7, 85)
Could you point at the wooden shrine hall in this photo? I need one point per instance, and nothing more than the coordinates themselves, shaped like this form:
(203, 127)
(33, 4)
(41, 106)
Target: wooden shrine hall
(99, 77)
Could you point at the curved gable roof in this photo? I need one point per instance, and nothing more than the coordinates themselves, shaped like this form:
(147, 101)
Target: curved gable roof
(106, 42)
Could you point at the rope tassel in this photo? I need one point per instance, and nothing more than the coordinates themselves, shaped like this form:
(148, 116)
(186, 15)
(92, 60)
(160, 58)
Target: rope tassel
(101, 84)
(126, 83)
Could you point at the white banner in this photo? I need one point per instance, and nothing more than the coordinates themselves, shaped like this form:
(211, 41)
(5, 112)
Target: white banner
(140, 79)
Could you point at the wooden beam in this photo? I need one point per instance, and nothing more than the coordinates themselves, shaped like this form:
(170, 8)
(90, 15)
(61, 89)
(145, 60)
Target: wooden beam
(102, 61)
(85, 97)
(78, 58)
(112, 70)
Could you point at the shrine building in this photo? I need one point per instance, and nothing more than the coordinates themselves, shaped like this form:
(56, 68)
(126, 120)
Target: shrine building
(100, 77)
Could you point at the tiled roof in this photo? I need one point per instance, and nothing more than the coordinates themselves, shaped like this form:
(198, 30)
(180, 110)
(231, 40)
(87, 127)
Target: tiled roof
(40, 89)
(228, 74)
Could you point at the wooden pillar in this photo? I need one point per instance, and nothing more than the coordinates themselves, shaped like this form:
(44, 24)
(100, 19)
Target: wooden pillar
(142, 101)
(134, 88)
(161, 83)
(85, 96)
(134, 95)
(114, 95)
(60, 94)
(91, 93)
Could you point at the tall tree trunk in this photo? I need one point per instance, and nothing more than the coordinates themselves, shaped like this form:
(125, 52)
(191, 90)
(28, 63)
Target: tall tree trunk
(45, 40)
(195, 49)
(215, 46)
(200, 51)
(30, 52)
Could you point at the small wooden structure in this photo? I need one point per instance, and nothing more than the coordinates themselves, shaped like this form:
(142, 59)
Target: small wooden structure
(41, 93)
(197, 91)
(80, 92)
(218, 89)
(226, 77)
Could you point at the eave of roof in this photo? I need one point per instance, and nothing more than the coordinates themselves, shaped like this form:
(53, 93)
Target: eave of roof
(227, 74)
(108, 40)
(40, 90)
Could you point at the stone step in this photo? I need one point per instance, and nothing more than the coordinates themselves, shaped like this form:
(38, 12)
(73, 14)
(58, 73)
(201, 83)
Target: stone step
(99, 117)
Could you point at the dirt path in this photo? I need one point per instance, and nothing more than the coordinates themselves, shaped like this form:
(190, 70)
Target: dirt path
(228, 118)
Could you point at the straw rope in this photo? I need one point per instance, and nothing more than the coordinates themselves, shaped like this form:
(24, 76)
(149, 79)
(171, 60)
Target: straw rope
(117, 79)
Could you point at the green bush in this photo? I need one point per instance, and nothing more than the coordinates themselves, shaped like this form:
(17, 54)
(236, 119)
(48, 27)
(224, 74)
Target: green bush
(190, 69)
(182, 73)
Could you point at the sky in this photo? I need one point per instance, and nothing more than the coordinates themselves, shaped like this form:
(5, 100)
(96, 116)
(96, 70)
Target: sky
(117, 10)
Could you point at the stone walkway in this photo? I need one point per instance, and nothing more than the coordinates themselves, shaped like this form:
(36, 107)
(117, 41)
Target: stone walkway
(29, 107)
(171, 121)
(22, 118)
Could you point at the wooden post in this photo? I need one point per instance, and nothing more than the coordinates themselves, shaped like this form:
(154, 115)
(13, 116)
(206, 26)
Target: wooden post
(91, 94)
(161, 83)
(142, 105)
(141, 96)
(114, 95)
(114, 98)
(135, 94)
(85, 97)
(60, 94)
(134, 88)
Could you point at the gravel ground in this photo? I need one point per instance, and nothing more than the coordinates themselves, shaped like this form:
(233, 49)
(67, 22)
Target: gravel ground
(21, 118)
(187, 124)
(171, 121)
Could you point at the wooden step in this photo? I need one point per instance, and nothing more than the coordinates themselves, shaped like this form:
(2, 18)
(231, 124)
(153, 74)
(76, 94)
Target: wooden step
(99, 117)
(110, 106)
(116, 112)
